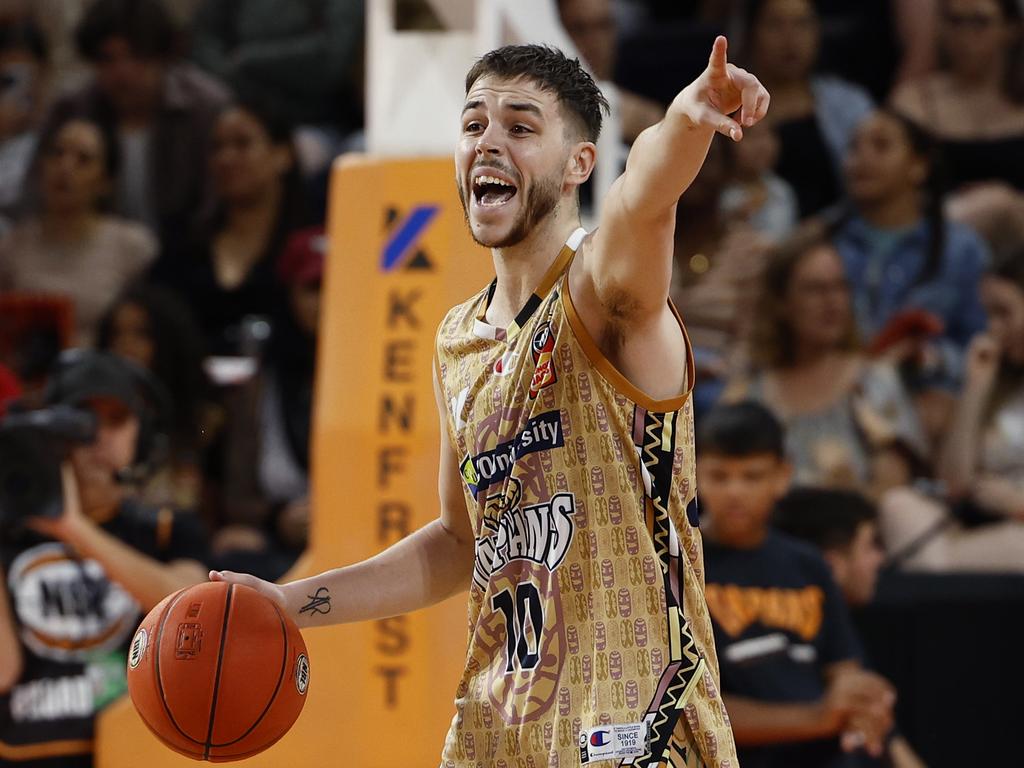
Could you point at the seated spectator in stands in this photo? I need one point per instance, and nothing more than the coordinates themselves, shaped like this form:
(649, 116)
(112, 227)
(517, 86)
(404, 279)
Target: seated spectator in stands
(264, 499)
(814, 115)
(154, 328)
(71, 247)
(755, 196)
(591, 26)
(76, 586)
(23, 81)
(980, 526)
(226, 271)
(974, 105)
(903, 259)
(849, 421)
(306, 58)
(791, 677)
(159, 108)
(843, 527)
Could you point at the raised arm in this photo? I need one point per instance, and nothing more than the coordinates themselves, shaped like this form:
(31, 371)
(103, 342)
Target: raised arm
(424, 568)
(958, 459)
(629, 258)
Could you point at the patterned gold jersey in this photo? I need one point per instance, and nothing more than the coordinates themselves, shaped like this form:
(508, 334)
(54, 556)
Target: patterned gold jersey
(586, 612)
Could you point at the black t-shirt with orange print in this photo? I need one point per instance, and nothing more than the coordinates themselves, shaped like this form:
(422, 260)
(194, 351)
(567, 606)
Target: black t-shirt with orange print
(779, 622)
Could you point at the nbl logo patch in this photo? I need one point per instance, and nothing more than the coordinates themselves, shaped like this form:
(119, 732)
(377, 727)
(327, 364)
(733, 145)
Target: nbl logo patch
(542, 348)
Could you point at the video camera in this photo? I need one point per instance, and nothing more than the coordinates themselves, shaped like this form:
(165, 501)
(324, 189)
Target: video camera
(34, 443)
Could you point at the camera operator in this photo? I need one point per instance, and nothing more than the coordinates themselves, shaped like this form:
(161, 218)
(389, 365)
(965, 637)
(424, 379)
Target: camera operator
(77, 584)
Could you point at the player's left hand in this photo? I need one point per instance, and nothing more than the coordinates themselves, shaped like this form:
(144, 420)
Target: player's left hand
(722, 89)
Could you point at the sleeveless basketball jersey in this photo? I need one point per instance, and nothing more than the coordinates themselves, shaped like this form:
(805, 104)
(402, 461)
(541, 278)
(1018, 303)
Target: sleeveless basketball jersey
(588, 629)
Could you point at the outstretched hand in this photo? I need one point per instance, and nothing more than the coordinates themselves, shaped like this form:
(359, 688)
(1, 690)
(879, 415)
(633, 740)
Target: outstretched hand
(719, 92)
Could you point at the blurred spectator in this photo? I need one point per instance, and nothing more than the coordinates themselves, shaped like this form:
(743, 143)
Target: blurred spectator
(982, 461)
(814, 115)
(23, 82)
(902, 256)
(592, 27)
(226, 271)
(159, 108)
(715, 275)
(755, 196)
(843, 526)
(849, 422)
(304, 57)
(975, 104)
(264, 502)
(76, 586)
(901, 35)
(153, 328)
(790, 669)
(72, 248)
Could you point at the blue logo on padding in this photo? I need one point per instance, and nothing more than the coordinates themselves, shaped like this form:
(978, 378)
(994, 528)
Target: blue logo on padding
(400, 251)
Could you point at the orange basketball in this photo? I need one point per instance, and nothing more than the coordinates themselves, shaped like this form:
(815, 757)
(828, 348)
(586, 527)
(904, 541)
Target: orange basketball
(218, 672)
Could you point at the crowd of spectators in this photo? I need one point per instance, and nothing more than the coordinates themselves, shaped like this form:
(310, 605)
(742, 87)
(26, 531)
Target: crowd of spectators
(855, 266)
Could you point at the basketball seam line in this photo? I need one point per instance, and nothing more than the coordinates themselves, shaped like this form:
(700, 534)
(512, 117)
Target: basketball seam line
(277, 688)
(216, 679)
(159, 679)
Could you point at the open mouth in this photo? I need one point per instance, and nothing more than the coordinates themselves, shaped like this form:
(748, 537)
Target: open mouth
(491, 192)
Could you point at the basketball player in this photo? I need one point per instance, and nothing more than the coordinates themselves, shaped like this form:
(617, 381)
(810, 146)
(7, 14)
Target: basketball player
(567, 432)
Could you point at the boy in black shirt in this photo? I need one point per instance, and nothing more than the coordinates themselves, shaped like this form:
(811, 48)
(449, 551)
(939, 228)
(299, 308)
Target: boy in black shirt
(794, 688)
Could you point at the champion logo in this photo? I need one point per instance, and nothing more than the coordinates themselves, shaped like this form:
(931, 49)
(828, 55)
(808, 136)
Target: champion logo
(600, 738)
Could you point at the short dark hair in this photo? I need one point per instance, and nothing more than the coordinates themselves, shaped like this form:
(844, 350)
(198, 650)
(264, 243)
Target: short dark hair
(24, 36)
(553, 71)
(740, 430)
(144, 24)
(826, 517)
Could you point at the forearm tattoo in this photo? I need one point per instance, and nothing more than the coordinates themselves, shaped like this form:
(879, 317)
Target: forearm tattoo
(319, 602)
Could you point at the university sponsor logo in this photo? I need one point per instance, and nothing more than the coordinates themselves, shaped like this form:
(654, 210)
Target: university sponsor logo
(541, 433)
(540, 533)
(542, 348)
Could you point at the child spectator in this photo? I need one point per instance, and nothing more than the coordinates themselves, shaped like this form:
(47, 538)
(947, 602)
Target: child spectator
(791, 677)
(755, 196)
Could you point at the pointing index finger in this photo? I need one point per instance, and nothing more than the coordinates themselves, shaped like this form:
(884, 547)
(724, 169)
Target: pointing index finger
(719, 55)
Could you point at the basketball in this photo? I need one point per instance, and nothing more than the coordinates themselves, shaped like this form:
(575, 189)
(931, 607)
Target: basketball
(218, 672)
